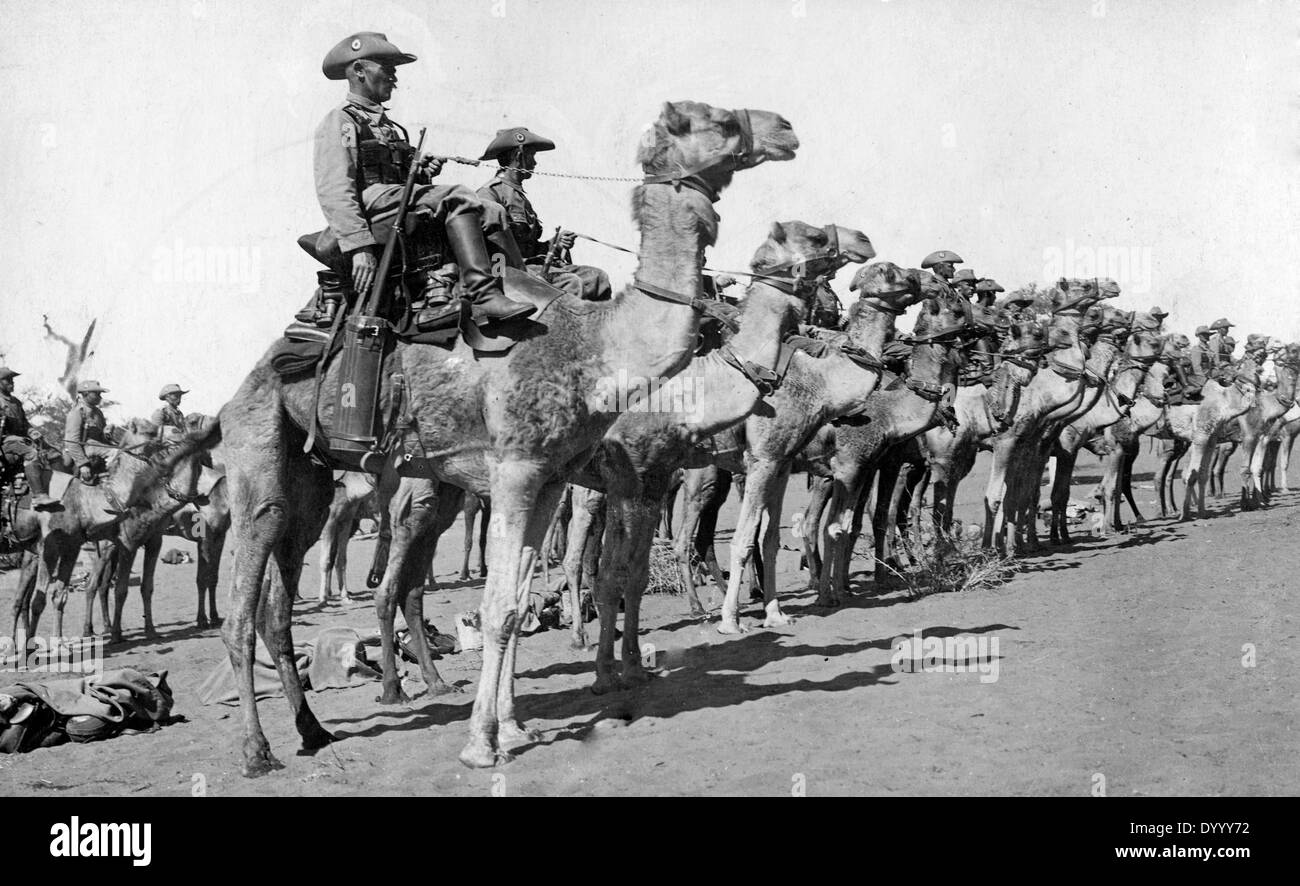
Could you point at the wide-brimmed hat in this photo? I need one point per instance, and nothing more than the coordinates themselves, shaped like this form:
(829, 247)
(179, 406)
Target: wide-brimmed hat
(86, 387)
(965, 275)
(1203, 330)
(366, 44)
(516, 137)
(988, 284)
(1256, 341)
(941, 256)
(172, 388)
(1222, 323)
(1159, 312)
(6, 372)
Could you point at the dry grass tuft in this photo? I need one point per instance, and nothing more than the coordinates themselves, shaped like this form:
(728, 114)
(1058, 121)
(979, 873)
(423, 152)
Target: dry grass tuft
(663, 577)
(947, 563)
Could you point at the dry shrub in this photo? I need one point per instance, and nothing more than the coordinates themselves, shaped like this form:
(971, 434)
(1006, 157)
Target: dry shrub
(948, 563)
(663, 576)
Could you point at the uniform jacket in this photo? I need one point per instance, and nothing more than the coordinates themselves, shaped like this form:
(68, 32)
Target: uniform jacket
(524, 223)
(85, 422)
(168, 414)
(335, 164)
(13, 417)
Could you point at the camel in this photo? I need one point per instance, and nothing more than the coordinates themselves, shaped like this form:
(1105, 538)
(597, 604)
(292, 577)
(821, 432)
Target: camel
(1119, 446)
(641, 456)
(1258, 422)
(899, 411)
(1280, 448)
(148, 479)
(1057, 392)
(1117, 398)
(790, 248)
(529, 416)
(206, 523)
(816, 391)
(1202, 425)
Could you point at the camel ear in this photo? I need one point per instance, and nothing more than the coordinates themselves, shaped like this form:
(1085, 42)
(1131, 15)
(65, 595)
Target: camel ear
(777, 233)
(674, 121)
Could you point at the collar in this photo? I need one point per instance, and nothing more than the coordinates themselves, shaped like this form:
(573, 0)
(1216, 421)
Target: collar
(365, 104)
(502, 177)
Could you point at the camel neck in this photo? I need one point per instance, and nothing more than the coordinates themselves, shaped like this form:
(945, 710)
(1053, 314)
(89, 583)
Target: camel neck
(654, 337)
(762, 324)
(871, 328)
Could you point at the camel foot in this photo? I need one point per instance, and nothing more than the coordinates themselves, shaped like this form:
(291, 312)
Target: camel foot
(393, 695)
(778, 620)
(442, 687)
(731, 626)
(464, 575)
(202, 623)
(516, 733)
(697, 611)
(258, 759)
(115, 637)
(479, 754)
(579, 644)
(151, 634)
(829, 601)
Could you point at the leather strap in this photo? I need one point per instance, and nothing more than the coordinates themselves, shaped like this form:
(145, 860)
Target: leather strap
(707, 306)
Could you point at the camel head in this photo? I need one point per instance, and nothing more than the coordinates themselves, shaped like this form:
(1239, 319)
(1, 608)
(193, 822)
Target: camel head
(1286, 367)
(1154, 383)
(942, 318)
(885, 285)
(173, 460)
(803, 252)
(692, 140)
(1066, 327)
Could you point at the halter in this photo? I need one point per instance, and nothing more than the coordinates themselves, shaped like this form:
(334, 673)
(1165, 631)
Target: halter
(690, 176)
(800, 283)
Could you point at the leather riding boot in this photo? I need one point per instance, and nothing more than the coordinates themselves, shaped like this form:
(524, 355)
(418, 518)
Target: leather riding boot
(503, 243)
(997, 397)
(465, 238)
(36, 482)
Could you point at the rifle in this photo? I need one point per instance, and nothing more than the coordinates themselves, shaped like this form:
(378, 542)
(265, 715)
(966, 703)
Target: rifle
(551, 254)
(375, 299)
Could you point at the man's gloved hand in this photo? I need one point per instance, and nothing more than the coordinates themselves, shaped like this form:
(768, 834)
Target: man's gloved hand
(567, 239)
(722, 281)
(363, 269)
(85, 474)
(431, 165)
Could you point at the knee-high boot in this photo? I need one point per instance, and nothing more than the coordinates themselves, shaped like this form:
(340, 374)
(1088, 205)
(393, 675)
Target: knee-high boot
(465, 238)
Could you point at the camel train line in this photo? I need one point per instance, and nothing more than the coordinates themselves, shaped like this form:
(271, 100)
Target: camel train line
(539, 438)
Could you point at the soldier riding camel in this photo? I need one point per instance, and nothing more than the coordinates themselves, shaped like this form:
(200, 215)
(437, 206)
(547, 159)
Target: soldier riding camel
(361, 162)
(515, 150)
(169, 414)
(85, 424)
(942, 262)
(19, 447)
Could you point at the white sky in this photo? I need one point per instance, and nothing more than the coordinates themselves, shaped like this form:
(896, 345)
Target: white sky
(1021, 134)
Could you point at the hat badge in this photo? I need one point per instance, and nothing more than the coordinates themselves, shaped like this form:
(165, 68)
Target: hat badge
(519, 137)
(356, 44)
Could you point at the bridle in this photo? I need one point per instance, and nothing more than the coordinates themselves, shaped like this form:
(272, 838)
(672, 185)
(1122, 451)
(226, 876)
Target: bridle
(691, 177)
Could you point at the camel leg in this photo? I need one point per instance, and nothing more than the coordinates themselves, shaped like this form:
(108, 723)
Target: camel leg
(580, 523)
(770, 544)
(102, 578)
(210, 548)
(1284, 460)
(818, 499)
(410, 509)
(471, 511)
(684, 543)
(516, 495)
(705, 548)
(994, 493)
(886, 505)
(1060, 495)
(611, 579)
(761, 485)
(1249, 478)
(121, 585)
(645, 514)
(152, 548)
(1126, 483)
(1198, 469)
(846, 488)
(329, 540)
(346, 530)
(449, 504)
(385, 490)
(511, 729)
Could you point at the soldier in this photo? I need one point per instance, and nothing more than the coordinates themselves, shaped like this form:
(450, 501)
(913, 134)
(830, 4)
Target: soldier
(1218, 349)
(169, 414)
(361, 163)
(942, 262)
(1257, 348)
(515, 150)
(986, 292)
(1005, 395)
(1227, 345)
(1180, 384)
(18, 445)
(964, 283)
(1159, 314)
(85, 424)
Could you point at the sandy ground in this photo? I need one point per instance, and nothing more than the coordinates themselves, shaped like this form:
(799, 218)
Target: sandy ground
(1119, 660)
